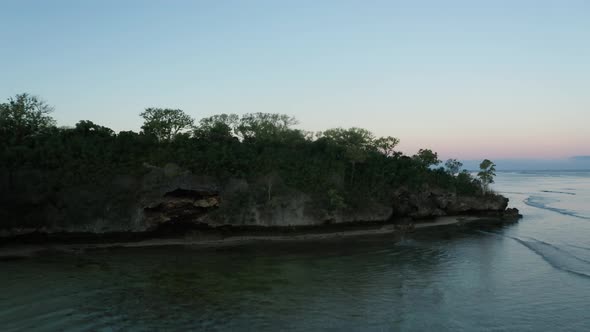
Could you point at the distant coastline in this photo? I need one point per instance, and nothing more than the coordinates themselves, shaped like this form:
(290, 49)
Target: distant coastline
(572, 164)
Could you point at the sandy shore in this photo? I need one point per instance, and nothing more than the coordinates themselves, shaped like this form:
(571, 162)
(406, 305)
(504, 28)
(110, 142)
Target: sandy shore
(23, 251)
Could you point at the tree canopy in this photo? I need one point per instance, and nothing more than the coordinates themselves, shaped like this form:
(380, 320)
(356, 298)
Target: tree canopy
(427, 158)
(486, 174)
(453, 166)
(264, 125)
(165, 123)
(337, 168)
(25, 115)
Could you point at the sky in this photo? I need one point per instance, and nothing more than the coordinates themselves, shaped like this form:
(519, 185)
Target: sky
(468, 79)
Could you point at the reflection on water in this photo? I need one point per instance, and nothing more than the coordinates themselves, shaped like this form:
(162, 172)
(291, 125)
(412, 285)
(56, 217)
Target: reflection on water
(520, 277)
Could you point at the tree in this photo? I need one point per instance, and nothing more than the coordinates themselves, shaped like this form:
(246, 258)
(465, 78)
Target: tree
(386, 145)
(427, 158)
(264, 125)
(165, 123)
(21, 118)
(356, 142)
(466, 184)
(218, 126)
(453, 166)
(357, 137)
(24, 116)
(87, 127)
(486, 174)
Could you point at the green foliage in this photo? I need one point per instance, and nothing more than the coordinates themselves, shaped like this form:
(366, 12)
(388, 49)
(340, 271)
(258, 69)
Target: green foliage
(486, 174)
(165, 123)
(466, 184)
(24, 116)
(342, 168)
(264, 125)
(426, 158)
(220, 127)
(86, 127)
(386, 145)
(453, 166)
(353, 137)
(356, 142)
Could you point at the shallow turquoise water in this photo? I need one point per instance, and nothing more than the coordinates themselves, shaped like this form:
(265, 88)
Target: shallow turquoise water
(531, 276)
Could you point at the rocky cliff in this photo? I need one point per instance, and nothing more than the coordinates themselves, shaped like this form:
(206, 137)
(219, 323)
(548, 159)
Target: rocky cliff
(168, 197)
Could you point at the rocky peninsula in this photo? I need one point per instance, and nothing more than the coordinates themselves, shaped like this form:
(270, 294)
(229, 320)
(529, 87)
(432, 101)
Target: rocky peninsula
(251, 175)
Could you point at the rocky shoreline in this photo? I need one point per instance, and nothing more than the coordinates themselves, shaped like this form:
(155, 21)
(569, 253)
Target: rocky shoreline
(168, 202)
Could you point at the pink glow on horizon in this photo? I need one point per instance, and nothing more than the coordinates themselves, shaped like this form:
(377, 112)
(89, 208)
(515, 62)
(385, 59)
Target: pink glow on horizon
(500, 147)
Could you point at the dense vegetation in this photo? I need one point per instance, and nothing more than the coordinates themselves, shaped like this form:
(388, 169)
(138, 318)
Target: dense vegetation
(339, 167)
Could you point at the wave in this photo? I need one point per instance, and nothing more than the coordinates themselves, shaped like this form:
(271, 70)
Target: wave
(537, 201)
(513, 192)
(557, 192)
(556, 257)
(579, 247)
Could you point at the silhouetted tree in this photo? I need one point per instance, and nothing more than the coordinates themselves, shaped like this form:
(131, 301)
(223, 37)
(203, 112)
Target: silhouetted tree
(264, 125)
(386, 145)
(23, 116)
(453, 166)
(356, 143)
(486, 174)
(165, 123)
(427, 158)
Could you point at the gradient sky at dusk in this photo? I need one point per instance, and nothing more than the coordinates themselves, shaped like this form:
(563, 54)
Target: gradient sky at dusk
(469, 79)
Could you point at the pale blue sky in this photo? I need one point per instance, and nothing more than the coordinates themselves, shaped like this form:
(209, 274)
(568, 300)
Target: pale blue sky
(470, 79)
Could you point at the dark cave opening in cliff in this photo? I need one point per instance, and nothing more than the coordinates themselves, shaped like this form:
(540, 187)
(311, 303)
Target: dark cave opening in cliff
(191, 194)
(181, 218)
(181, 210)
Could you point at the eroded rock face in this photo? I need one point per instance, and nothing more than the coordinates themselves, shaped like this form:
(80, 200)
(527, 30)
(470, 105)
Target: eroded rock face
(416, 204)
(430, 203)
(169, 195)
(180, 206)
(125, 203)
(467, 204)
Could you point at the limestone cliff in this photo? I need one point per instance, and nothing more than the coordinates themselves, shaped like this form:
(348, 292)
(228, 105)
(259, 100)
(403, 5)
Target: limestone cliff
(166, 197)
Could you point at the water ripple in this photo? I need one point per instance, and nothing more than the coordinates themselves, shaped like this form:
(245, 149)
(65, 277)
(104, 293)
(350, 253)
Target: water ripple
(541, 203)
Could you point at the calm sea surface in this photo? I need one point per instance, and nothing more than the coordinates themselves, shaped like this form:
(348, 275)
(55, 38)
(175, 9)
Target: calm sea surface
(530, 276)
